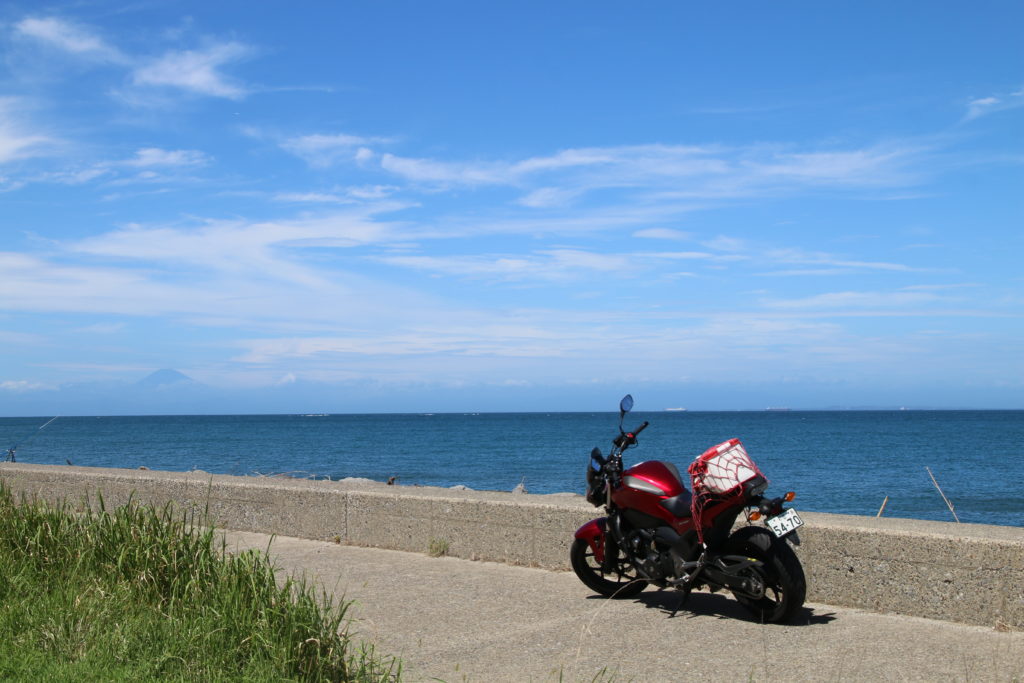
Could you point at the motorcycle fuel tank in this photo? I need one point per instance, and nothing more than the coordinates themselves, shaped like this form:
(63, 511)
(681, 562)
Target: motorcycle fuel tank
(645, 485)
(654, 476)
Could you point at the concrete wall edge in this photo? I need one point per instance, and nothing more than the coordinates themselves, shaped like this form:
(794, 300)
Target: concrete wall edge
(967, 573)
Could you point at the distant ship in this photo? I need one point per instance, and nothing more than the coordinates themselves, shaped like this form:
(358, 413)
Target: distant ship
(777, 410)
(675, 410)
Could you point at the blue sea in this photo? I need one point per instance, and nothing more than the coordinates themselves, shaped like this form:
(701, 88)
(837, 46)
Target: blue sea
(837, 461)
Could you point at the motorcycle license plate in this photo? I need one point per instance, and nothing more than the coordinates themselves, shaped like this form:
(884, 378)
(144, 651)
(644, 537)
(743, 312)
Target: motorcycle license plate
(788, 522)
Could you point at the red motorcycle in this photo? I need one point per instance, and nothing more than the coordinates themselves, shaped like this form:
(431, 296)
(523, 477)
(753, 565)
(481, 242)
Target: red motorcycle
(656, 532)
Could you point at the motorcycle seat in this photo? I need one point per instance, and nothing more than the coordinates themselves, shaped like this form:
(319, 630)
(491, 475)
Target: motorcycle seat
(679, 505)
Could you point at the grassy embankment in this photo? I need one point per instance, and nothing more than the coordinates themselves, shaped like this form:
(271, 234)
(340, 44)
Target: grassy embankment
(136, 594)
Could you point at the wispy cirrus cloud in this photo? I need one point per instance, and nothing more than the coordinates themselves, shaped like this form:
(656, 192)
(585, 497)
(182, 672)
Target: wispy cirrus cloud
(543, 266)
(547, 265)
(15, 385)
(199, 71)
(590, 167)
(560, 264)
(70, 38)
(665, 173)
(490, 339)
(260, 248)
(983, 106)
(253, 270)
(549, 197)
(819, 263)
(154, 156)
(339, 195)
(880, 165)
(857, 300)
(664, 234)
(313, 197)
(321, 151)
(196, 71)
(448, 172)
(18, 138)
(150, 164)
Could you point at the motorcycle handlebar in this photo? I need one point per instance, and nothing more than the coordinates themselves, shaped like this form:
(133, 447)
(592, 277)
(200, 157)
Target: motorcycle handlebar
(629, 438)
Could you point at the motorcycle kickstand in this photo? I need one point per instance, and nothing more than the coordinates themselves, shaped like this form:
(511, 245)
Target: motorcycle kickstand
(685, 584)
(682, 601)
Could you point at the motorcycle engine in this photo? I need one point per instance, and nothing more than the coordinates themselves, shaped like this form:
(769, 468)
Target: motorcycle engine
(652, 563)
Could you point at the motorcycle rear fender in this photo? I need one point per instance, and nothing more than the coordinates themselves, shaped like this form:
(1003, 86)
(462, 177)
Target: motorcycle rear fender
(593, 532)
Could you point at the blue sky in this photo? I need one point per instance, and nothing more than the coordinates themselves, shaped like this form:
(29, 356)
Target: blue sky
(340, 206)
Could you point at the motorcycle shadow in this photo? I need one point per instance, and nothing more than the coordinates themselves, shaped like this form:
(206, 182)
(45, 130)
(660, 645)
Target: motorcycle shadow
(719, 606)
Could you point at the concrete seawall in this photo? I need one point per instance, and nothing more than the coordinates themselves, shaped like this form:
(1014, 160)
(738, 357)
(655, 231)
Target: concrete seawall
(968, 573)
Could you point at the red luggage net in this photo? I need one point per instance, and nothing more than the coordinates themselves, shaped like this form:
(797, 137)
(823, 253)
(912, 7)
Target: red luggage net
(719, 474)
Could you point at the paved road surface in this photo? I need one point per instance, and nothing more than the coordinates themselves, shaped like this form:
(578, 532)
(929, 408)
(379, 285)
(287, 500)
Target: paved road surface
(457, 620)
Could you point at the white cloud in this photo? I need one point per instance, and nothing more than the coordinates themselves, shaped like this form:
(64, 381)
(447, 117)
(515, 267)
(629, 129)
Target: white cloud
(148, 161)
(75, 177)
(873, 166)
(259, 272)
(154, 156)
(324, 150)
(371, 191)
(588, 260)
(569, 158)
(983, 106)
(251, 271)
(17, 139)
(857, 300)
(587, 168)
(20, 385)
(312, 197)
(69, 37)
(199, 71)
(497, 267)
(943, 287)
(723, 243)
(238, 246)
(448, 172)
(346, 195)
(683, 255)
(101, 328)
(461, 334)
(663, 234)
(196, 71)
(546, 265)
(548, 197)
(666, 173)
(801, 257)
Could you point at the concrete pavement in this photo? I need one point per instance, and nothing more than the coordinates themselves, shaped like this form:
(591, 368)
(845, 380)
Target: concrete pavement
(458, 620)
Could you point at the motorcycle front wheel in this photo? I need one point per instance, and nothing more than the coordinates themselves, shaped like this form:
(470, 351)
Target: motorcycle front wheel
(620, 582)
(780, 573)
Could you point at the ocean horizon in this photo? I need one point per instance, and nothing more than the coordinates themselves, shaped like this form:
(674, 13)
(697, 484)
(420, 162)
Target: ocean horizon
(845, 461)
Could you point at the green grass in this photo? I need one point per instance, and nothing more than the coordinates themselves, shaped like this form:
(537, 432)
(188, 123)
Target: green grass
(138, 594)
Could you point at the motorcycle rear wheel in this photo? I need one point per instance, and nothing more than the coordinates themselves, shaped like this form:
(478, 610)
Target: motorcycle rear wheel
(785, 585)
(621, 582)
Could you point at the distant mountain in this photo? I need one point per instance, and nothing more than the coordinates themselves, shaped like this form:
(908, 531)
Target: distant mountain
(163, 378)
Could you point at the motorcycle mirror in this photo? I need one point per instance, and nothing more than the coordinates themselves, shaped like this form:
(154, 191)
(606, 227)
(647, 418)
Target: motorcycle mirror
(625, 405)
